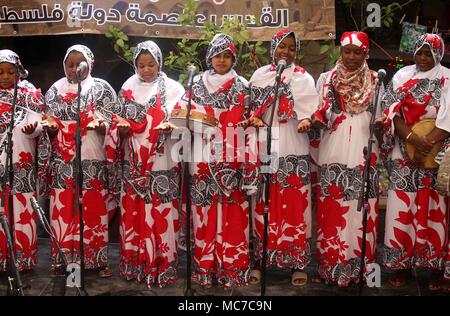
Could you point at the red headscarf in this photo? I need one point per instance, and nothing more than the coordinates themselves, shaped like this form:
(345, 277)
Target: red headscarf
(359, 39)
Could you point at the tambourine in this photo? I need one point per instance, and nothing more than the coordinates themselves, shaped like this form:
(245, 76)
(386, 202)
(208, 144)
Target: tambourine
(196, 118)
(422, 128)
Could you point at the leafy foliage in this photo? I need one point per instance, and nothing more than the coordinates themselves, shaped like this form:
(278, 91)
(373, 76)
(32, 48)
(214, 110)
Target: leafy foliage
(121, 47)
(251, 55)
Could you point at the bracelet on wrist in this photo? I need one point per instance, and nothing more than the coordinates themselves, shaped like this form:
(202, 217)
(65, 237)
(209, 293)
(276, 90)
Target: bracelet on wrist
(409, 135)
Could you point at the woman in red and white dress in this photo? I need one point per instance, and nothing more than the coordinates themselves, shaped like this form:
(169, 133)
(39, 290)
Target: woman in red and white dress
(27, 127)
(220, 183)
(289, 227)
(416, 230)
(98, 103)
(347, 98)
(149, 183)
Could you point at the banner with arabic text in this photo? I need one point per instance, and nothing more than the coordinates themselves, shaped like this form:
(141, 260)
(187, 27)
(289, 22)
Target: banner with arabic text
(310, 19)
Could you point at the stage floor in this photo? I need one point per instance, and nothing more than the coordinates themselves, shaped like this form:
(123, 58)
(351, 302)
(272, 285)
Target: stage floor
(40, 283)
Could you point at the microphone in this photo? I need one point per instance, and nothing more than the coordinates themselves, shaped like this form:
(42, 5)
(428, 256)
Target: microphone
(191, 74)
(37, 209)
(82, 67)
(381, 73)
(281, 66)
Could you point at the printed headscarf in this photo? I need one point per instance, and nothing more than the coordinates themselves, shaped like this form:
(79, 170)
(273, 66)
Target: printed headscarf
(435, 43)
(356, 88)
(8, 56)
(221, 42)
(150, 47)
(278, 38)
(87, 53)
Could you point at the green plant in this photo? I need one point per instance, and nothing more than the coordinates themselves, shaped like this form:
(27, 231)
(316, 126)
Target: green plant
(188, 51)
(327, 48)
(121, 47)
(388, 12)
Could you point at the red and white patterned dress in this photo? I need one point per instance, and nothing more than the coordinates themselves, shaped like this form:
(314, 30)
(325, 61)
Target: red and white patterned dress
(289, 227)
(150, 183)
(341, 164)
(29, 108)
(416, 231)
(218, 187)
(98, 101)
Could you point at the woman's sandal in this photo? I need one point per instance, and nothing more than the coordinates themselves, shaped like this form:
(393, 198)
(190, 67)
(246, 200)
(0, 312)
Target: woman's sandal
(56, 270)
(316, 279)
(299, 278)
(436, 282)
(255, 277)
(105, 272)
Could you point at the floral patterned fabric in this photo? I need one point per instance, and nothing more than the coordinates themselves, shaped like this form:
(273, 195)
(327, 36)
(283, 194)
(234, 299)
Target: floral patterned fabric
(29, 108)
(97, 101)
(148, 179)
(341, 162)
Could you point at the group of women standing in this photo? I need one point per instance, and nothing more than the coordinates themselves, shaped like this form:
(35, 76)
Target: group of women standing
(128, 162)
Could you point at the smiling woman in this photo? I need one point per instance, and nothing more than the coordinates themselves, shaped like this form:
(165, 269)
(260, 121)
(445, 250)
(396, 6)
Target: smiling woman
(416, 224)
(347, 95)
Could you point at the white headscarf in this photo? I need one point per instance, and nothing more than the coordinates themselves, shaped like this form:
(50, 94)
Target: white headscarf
(64, 85)
(143, 91)
(295, 81)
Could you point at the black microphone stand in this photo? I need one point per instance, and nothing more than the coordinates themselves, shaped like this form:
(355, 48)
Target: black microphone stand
(363, 201)
(267, 180)
(185, 176)
(78, 175)
(47, 227)
(15, 283)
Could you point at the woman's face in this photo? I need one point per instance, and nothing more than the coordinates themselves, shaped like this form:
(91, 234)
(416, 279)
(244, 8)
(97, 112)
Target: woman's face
(147, 67)
(424, 59)
(352, 57)
(72, 62)
(222, 62)
(7, 75)
(286, 50)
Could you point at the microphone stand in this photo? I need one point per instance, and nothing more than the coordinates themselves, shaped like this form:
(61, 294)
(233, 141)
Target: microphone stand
(15, 282)
(267, 179)
(47, 227)
(185, 176)
(363, 201)
(78, 175)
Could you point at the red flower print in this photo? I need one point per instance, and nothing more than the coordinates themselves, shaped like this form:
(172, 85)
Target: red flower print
(131, 210)
(97, 243)
(69, 97)
(237, 223)
(128, 95)
(332, 256)
(26, 217)
(294, 181)
(93, 208)
(338, 121)
(96, 184)
(26, 157)
(330, 213)
(160, 225)
(66, 212)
